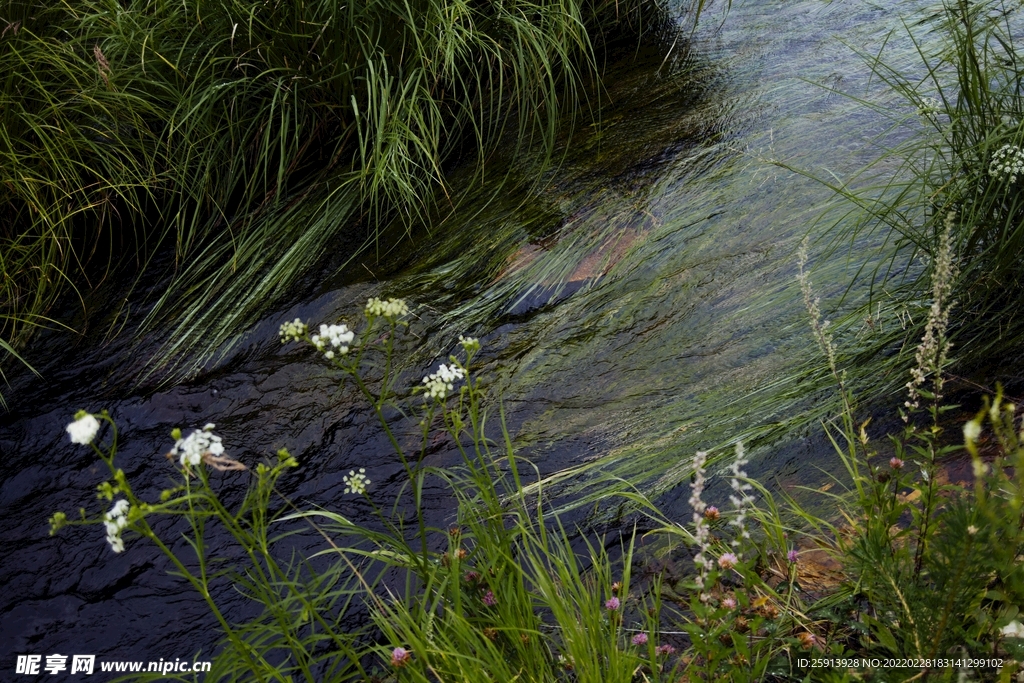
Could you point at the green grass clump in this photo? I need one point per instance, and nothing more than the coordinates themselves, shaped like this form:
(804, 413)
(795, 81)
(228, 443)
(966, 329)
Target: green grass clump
(964, 112)
(249, 137)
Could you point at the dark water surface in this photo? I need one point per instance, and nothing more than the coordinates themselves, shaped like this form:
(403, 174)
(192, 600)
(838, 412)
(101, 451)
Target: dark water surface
(639, 307)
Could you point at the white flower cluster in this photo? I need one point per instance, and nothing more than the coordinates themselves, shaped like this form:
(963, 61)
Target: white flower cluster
(740, 498)
(1007, 163)
(972, 430)
(469, 344)
(441, 382)
(197, 444)
(929, 106)
(1013, 630)
(331, 338)
(933, 350)
(702, 533)
(356, 482)
(115, 521)
(84, 429)
(392, 308)
(293, 331)
(812, 304)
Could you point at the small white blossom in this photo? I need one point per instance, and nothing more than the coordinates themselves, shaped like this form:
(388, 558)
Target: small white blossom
(469, 344)
(702, 533)
(438, 384)
(979, 468)
(934, 347)
(192, 448)
(1007, 163)
(115, 521)
(84, 429)
(293, 331)
(741, 498)
(391, 309)
(333, 338)
(929, 106)
(356, 482)
(1013, 630)
(972, 430)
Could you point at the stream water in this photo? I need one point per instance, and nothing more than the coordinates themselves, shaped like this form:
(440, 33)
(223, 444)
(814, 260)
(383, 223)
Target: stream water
(638, 304)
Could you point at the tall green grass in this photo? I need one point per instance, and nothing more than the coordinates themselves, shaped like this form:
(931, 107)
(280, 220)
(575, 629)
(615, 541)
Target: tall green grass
(250, 138)
(959, 109)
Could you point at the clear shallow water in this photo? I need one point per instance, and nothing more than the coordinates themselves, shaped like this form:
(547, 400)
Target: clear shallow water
(638, 304)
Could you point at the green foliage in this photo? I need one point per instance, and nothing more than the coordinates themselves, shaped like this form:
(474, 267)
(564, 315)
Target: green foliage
(961, 122)
(932, 564)
(509, 595)
(508, 591)
(245, 136)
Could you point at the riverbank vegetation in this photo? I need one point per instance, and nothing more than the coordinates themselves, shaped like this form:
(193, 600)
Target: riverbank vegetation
(962, 116)
(226, 147)
(509, 590)
(905, 567)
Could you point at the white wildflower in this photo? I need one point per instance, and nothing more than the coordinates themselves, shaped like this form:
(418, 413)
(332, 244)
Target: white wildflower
(1013, 630)
(741, 499)
(84, 429)
(192, 448)
(1007, 163)
(972, 430)
(115, 522)
(356, 482)
(438, 384)
(979, 468)
(812, 303)
(469, 344)
(333, 338)
(390, 309)
(929, 106)
(934, 347)
(701, 531)
(293, 331)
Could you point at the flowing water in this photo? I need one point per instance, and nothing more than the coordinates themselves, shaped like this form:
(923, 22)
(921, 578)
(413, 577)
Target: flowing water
(635, 305)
